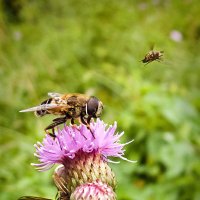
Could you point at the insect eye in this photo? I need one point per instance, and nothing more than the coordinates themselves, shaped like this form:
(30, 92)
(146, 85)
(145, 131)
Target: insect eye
(92, 106)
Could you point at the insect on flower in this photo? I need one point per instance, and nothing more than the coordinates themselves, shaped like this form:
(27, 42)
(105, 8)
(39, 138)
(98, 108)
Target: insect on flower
(70, 106)
(152, 55)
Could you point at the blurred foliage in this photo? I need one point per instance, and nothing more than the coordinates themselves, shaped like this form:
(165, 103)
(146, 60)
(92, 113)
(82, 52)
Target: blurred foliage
(95, 47)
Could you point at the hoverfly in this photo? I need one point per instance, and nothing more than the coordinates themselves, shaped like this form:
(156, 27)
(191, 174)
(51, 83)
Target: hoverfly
(70, 106)
(152, 55)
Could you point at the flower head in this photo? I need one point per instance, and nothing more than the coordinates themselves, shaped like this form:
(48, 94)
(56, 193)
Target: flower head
(176, 36)
(72, 140)
(93, 190)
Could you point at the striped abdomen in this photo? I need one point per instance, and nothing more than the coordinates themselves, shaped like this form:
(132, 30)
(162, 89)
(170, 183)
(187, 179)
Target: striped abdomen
(41, 113)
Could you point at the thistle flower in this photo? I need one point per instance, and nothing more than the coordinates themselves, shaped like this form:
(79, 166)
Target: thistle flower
(84, 155)
(72, 141)
(93, 191)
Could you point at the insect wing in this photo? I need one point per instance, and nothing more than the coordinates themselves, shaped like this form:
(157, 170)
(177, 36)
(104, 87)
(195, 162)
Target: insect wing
(41, 107)
(54, 94)
(32, 198)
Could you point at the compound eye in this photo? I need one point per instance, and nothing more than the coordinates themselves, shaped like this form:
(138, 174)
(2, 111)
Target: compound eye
(92, 106)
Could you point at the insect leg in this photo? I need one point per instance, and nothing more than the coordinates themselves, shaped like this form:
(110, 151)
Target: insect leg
(73, 124)
(58, 119)
(148, 62)
(83, 120)
(72, 121)
(160, 59)
(55, 123)
(87, 123)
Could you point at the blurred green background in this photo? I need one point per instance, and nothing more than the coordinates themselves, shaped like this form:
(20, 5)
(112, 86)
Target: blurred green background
(96, 47)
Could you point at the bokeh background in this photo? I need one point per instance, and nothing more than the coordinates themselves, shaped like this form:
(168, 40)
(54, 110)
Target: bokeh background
(96, 47)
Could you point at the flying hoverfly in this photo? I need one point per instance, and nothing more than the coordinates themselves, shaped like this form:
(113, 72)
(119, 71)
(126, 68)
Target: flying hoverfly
(70, 106)
(152, 55)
